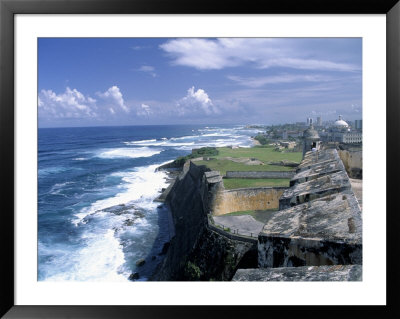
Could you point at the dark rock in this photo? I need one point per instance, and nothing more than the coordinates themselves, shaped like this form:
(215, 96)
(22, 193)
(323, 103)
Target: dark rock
(140, 262)
(153, 257)
(165, 248)
(134, 276)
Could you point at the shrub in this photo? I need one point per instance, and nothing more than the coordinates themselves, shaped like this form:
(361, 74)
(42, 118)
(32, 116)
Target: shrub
(262, 139)
(192, 271)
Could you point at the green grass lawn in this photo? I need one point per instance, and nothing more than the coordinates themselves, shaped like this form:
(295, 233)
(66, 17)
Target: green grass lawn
(262, 216)
(265, 154)
(232, 183)
(226, 165)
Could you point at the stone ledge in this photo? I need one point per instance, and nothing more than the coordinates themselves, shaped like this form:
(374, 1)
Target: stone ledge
(307, 273)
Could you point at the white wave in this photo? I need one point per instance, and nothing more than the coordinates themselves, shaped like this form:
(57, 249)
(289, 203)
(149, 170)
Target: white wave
(140, 187)
(79, 159)
(185, 137)
(143, 141)
(128, 152)
(100, 259)
(214, 134)
(165, 143)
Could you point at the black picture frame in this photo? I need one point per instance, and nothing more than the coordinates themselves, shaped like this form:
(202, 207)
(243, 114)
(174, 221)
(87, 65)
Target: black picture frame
(8, 8)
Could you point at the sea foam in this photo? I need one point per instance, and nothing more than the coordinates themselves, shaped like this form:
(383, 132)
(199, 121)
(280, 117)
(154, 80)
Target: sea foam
(128, 152)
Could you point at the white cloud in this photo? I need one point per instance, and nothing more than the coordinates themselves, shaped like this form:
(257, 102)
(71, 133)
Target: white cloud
(113, 96)
(144, 110)
(308, 64)
(256, 82)
(70, 104)
(148, 69)
(74, 104)
(196, 102)
(206, 54)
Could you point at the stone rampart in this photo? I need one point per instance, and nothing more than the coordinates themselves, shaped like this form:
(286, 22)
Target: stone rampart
(256, 175)
(261, 198)
(196, 250)
(352, 160)
(305, 273)
(319, 221)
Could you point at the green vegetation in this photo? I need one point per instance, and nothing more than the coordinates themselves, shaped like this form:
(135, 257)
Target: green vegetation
(196, 152)
(227, 165)
(204, 151)
(192, 271)
(232, 183)
(262, 153)
(262, 139)
(261, 215)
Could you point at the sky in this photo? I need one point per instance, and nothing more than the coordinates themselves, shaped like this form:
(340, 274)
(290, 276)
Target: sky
(140, 81)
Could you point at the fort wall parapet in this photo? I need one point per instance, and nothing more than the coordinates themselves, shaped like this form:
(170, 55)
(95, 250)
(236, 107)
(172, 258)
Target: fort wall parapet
(319, 221)
(242, 199)
(264, 174)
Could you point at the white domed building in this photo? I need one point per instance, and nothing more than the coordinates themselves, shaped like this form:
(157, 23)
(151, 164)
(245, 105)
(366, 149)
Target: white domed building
(341, 125)
(341, 132)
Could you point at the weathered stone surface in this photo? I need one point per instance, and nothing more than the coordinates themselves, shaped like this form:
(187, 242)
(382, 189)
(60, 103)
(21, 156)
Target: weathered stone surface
(352, 160)
(313, 189)
(356, 186)
(317, 170)
(325, 231)
(211, 174)
(234, 200)
(256, 174)
(306, 273)
(322, 156)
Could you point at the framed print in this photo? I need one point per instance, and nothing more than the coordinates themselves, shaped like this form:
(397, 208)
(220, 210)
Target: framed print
(168, 159)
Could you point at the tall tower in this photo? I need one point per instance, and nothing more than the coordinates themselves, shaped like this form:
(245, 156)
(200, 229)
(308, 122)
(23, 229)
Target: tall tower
(311, 139)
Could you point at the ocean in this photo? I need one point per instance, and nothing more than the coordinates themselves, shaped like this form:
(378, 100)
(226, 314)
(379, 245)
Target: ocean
(96, 189)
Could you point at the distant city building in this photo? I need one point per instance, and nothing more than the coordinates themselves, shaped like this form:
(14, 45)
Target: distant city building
(309, 121)
(341, 132)
(319, 121)
(291, 134)
(358, 125)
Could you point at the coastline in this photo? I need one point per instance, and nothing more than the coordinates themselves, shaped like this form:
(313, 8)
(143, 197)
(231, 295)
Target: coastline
(255, 142)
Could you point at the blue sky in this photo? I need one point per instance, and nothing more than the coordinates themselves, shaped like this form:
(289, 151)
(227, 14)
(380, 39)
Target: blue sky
(138, 81)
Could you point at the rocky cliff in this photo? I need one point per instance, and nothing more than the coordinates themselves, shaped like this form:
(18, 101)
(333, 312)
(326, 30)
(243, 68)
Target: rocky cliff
(196, 252)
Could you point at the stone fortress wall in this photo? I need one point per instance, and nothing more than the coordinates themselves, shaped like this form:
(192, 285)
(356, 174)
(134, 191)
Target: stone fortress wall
(318, 224)
(319, 221)
(352, 160)
(261, 198)
(316, 234)
(256, 175)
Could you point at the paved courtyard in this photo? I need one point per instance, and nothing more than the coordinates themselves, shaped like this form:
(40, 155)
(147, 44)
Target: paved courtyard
(244, 224)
